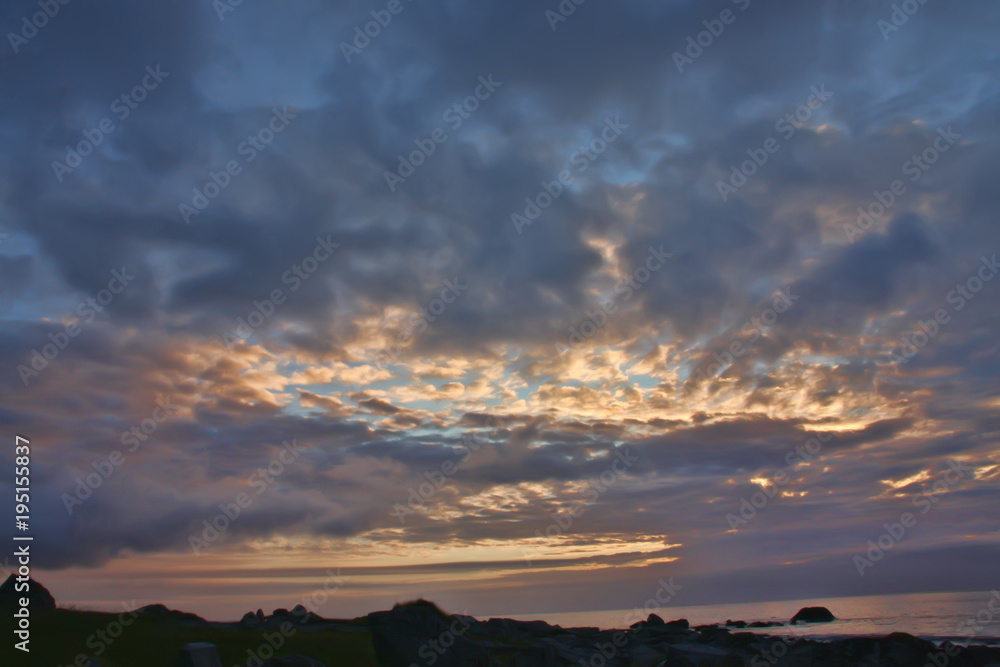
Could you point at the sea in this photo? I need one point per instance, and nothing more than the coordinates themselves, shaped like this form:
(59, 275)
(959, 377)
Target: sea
(962, 618)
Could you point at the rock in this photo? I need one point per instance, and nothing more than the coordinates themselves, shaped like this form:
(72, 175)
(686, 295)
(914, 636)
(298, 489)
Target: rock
(736, 624)
(510, 626)
(280, 612)
(905, 649)
(303, 616)
(39, 598)
(813, 615)
(644, 656)
(698, 654)
(250, 621)
(709, 633)
(200, 654)
(401, 634)
(679, 623)
(736, 640)
(161, 613)
(653, 619)
(473, 619)
(293, 661)
(979, 655)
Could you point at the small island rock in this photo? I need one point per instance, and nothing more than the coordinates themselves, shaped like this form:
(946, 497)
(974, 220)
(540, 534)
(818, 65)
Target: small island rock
(813, 615)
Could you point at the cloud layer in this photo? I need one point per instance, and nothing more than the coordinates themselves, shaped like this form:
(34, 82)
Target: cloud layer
(420, 335)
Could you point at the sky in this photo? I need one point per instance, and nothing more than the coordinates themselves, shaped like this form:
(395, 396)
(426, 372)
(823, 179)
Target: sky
(521, 307)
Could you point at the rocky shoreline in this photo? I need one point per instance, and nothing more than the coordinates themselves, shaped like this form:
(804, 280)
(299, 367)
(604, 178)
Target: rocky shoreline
(419, 634)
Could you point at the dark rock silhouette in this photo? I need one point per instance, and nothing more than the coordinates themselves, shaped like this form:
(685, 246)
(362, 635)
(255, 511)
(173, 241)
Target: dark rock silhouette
(420, 633)
(39, 598)
(402, 636)
(813, 615)
(250, 621)
(160, 612)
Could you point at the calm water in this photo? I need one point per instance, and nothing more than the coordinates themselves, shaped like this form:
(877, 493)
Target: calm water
(935, 616)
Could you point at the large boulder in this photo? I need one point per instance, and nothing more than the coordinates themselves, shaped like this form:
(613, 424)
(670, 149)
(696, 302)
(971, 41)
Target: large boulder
(813, 615)
(39, 598)
(404, 635)
(303, 616)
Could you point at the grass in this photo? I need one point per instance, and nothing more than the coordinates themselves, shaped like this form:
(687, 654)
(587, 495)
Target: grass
(58, 637)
